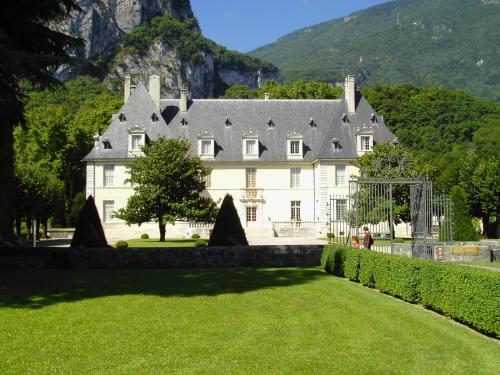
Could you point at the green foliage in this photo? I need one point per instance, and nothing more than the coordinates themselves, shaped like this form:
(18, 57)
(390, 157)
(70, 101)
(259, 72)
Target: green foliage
(463, 228)
(185, 37)
(58, 133)
(195, 236)
(121, 244)
(88, 231)
(465, 294)
(76, 206)
(31, 51)
(144, 236)
(200, 243)
(454, 132)
(390, 161)
(227, 230)
(296, 90)
(168, 183)
(423, 42)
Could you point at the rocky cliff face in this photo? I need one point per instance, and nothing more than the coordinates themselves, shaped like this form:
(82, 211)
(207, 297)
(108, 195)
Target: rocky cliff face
(103, 25)
(203, 78)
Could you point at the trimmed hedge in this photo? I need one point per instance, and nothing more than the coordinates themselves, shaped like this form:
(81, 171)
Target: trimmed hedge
(466, 294)
(121, 244)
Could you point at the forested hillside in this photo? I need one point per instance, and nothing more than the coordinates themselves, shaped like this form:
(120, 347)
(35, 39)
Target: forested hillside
(450, 43)
(455, 133)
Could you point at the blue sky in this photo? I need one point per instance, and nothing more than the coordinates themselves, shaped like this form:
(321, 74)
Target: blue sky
(244, 25)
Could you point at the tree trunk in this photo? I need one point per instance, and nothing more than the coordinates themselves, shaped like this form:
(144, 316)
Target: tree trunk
(161, 224)
(490, 230)
(37, 228)
(7, 187)
(28, 227)
(45, 228)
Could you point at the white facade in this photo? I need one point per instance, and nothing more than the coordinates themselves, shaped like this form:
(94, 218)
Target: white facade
(281, 160)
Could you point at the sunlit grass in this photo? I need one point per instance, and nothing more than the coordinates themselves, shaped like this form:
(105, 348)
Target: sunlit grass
(233, 321)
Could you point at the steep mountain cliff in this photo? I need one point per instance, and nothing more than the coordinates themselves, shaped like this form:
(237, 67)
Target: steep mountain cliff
(452, 43)
(144, 37)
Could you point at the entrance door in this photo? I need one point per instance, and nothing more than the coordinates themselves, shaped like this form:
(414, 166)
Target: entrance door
(251, 216)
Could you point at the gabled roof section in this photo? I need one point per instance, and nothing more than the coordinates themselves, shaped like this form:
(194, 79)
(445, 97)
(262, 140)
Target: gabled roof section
(139, 112)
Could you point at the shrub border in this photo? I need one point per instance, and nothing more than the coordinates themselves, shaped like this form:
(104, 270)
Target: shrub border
(465, 294)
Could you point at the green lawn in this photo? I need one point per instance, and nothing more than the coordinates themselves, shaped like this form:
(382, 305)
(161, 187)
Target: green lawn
(155, 242)
(224, 321)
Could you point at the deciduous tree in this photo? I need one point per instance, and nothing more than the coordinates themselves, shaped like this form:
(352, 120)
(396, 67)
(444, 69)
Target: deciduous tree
(168, 186)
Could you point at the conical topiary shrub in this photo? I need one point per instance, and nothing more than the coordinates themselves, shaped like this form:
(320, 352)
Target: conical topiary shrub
(227, 230)
(89, 232)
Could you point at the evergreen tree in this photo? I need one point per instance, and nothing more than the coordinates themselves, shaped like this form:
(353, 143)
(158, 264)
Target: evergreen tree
(227, 230)
(29, 50)
(89, 232)
(462, 223)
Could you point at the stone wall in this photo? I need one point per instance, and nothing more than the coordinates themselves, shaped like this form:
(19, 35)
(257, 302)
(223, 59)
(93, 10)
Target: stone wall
(175, 257)
(456, 252)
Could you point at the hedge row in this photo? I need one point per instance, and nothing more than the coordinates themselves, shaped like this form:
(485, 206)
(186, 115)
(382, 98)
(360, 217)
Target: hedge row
(466, 294)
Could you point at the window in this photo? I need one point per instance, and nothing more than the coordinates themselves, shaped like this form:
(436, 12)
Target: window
(295, 147)
(108, 209)
(295, 210)
(108, 175)
(365, 142)
(340, 209)
(251, 178)
(340, 175)
(207, 179)
(137, 141)
(336, 144)
(251, 147)
(295, 177)
(251, 214)
(107, 144)
(207, 147)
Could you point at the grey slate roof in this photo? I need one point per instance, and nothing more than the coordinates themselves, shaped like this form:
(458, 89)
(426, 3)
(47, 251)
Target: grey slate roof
(210, 115)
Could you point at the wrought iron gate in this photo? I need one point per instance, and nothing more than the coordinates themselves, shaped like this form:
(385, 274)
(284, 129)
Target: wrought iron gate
(381, 204)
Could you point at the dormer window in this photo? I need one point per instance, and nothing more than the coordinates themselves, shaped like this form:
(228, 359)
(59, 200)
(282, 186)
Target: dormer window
(365, 143)
(206, 145)
(122, 117)
(107, 144)
(294, 146)
(184, 122)
(136, 140)
(154, 117)
(250, 146)
(228, 122)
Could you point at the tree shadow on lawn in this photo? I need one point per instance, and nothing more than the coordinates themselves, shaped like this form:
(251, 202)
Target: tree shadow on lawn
(39, 288)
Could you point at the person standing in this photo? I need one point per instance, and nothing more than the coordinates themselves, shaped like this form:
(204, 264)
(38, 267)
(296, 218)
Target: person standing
(368, 239)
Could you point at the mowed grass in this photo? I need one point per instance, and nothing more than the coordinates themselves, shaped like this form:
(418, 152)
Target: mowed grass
(155, 242)
(224, 321)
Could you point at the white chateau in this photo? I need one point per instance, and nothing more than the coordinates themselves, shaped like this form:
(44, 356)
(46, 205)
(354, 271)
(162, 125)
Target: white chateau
(279, 159)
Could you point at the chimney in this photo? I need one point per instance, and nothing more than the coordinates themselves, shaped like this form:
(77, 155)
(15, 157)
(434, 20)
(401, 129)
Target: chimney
(266, 96)
(96, 140)
(126, 94)
(183, 105)
(350, 93)
(154, 89)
